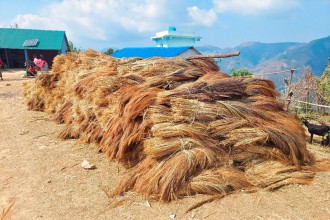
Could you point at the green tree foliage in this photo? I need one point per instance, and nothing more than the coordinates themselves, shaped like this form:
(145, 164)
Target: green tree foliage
(324, 85)
(74, 49)
(241, 72)
(109, 51)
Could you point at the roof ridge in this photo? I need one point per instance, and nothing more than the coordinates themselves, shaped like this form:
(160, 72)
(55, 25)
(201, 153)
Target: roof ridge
(31, 29)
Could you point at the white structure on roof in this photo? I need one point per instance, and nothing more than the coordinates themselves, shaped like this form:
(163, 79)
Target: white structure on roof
(174, 38)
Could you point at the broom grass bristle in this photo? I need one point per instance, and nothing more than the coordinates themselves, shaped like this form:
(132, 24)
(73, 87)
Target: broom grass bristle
(182, 126)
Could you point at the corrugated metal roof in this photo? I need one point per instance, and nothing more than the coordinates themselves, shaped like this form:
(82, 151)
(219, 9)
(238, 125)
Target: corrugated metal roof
(14, 38)
(146, 52)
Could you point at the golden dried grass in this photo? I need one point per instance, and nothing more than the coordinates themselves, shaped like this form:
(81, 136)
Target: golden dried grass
(7, 211)
(184, 127)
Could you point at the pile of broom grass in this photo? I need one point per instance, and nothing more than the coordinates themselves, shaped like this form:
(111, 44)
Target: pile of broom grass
(182, 126)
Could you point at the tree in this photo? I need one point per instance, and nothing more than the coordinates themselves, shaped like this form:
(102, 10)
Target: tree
(109, 51)
(74, 49)
(14, 26)
(324, 85)
(305, 89)
(241, 72)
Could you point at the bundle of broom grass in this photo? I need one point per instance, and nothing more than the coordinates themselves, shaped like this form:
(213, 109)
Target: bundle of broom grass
(182, 126)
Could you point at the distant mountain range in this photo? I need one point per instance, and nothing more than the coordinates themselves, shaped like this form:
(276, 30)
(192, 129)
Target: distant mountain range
(260, 58)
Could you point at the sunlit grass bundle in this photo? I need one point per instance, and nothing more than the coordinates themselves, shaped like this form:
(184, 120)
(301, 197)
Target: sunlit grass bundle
(182, 126)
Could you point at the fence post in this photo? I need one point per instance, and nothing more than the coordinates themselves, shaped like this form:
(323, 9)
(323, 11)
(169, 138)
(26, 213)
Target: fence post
(289, 92)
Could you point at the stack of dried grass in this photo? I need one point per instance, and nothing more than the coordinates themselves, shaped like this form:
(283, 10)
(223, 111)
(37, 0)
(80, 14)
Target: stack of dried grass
(181, 125)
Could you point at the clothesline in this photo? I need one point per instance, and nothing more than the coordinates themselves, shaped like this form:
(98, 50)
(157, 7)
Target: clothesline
(284, 71)
(323, 106)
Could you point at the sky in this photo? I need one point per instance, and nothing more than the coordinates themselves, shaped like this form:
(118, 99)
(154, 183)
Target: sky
(102, 24)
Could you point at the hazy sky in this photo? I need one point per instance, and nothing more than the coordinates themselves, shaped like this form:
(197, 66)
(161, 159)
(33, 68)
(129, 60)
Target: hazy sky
(100, 24)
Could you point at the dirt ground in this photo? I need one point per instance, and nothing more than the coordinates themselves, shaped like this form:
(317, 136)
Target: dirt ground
(42, 178)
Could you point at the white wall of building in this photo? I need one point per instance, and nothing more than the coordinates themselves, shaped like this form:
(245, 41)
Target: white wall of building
(174, 38)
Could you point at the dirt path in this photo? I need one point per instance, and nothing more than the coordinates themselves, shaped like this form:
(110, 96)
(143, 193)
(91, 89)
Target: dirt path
(42, 176)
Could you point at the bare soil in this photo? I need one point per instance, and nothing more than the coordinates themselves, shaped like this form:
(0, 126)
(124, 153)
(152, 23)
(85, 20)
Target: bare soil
(42, 178)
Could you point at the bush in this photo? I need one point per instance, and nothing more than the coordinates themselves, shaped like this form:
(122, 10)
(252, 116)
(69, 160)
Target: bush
(241, 72)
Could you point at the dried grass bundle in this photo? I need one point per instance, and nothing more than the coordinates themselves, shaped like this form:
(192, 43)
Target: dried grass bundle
(263, 87)
(217, 181)
(159, 147)
(193, 110)
(272, 175)
(125, 131)
(183, 126)
(266, 103)
(225, 88)
(170, 130)
(167, 177)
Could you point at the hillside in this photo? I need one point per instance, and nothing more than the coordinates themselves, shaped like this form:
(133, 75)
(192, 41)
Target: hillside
(313, 54)
(252, 53)
(273, 57)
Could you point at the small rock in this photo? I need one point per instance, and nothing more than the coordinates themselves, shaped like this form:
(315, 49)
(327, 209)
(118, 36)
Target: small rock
(42, 147)
(22, 132)
(87, 165)
(172, 215)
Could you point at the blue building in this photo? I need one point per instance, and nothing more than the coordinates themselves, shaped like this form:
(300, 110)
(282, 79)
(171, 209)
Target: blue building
(169, 43)
(146, 52)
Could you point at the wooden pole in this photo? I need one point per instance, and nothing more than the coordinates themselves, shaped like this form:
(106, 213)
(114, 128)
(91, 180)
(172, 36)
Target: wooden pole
(307, 101)
(223, 55)
(7, 59)
(289, 93)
